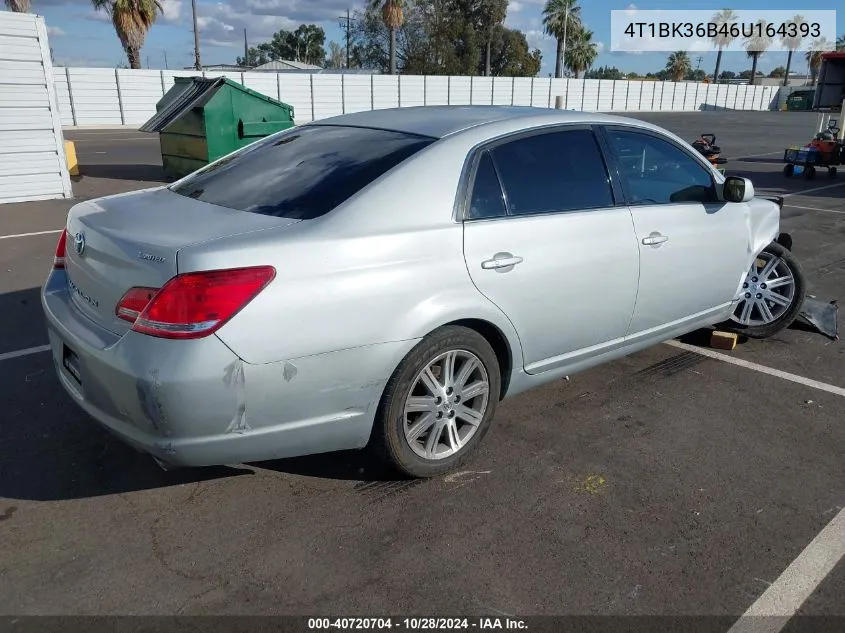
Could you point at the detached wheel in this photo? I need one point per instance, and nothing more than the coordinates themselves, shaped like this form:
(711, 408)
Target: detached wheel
(772, 295)
(439, 403)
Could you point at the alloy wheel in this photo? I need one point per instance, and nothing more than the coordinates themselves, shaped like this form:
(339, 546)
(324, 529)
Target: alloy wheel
(446, 404)
(767, 292)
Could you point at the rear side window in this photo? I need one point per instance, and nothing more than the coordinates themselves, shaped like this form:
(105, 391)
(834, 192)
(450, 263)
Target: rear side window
(486, 201)
(303, 173)
(554, 171)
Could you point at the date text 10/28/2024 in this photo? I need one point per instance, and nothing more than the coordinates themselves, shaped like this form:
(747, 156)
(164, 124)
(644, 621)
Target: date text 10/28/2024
(415, 624)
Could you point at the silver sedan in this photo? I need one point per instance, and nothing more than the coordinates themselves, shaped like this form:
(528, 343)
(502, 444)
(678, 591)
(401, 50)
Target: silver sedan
(384, 279)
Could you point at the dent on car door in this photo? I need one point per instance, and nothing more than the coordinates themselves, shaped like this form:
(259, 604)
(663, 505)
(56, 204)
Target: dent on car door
(693, 245)
(546, 242)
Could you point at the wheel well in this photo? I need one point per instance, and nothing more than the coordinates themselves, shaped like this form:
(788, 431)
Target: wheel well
(785, 240)
(499, 344)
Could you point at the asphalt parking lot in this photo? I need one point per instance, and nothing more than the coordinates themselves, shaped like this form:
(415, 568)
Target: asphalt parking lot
(667, 483)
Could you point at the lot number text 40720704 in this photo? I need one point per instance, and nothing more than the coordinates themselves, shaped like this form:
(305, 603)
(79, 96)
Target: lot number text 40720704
(415, 624)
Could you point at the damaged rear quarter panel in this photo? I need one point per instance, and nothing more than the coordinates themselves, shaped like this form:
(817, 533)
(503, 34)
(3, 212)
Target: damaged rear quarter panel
(318, 403)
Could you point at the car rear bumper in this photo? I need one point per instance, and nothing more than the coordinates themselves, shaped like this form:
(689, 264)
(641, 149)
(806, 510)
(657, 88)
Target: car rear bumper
(196, 403)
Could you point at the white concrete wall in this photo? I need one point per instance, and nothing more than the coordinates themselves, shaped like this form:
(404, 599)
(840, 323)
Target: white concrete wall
(32, 158)
(104, 96)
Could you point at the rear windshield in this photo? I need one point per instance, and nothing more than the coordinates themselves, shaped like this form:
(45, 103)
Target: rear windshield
(302, 173)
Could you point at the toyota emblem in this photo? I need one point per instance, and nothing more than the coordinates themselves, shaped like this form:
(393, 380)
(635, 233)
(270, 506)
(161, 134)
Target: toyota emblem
(79, 243)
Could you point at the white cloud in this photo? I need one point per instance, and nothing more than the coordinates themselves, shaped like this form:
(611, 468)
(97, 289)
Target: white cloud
(97, 16)
(171, 11)
(54, 31)
(600, 47)
(631, 9)
(516, 7)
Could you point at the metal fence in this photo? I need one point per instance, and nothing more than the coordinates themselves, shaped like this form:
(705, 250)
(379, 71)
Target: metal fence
(99, 96)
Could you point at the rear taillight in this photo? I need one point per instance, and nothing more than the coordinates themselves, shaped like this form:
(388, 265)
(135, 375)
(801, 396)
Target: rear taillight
(132, 304)
(61, 248)
(193, 305)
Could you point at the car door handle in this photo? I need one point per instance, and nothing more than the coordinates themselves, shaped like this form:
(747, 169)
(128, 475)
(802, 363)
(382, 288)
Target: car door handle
(501, 260)
(655, 239)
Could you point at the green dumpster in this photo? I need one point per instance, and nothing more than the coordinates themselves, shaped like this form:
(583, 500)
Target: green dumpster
(200, 120)
(800, 100)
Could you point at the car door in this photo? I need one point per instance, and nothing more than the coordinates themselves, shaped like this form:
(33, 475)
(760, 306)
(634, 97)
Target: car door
(693, 246)
(546, 240)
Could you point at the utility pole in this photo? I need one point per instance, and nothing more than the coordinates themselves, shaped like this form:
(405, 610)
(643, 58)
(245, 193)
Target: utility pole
(197, 60)
(563, 52)
(698, 65)
(166, 67)
(246, 51)
(346, 25)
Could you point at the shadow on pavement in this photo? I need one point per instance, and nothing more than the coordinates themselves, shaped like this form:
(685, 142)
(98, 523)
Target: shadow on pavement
(67, 456)
(760, 159)
(345, 465)
(145, 173)
(21, 320)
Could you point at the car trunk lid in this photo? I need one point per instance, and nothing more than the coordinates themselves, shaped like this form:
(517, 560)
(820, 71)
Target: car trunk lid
(133, 240)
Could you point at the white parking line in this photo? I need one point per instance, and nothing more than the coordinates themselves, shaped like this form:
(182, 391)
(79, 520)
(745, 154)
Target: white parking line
(795, 206)
(29, 351)
(772, 610)
(8, 237)
(808, 382)
(803, 191)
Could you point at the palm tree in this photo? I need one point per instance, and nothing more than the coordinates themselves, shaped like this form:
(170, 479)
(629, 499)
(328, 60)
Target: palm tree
(792, 44)
(393, 17)
(723, 38)
(818, 47)
(492, 14)
(756, 45)
(131, 19)
(679, 65)
(561, 20)
(18, 6)
(581, 51)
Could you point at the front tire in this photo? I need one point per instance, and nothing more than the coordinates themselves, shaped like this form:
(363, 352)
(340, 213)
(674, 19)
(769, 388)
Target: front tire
(772, 295)
(438, 404)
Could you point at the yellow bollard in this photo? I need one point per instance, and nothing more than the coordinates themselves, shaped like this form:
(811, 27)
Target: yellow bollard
(70, 156)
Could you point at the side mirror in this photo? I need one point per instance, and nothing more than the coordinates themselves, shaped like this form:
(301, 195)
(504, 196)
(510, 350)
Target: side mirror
(737, 189)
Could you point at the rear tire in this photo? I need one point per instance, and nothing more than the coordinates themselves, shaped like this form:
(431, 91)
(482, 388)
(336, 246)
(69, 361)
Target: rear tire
(775, 292)
(431, 418)
(788, 170)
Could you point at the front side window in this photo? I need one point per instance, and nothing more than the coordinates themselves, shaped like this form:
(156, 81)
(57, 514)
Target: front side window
(553, 171)
(656, 171)
(303, 173)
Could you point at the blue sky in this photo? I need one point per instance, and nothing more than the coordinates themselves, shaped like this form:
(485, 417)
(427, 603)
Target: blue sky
(81, 37)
